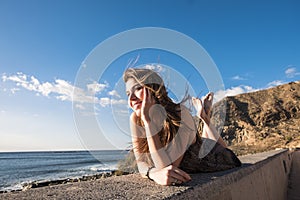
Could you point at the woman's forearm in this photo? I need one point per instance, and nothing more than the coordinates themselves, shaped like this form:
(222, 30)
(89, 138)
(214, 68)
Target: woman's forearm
(157, 151)
(143, 168)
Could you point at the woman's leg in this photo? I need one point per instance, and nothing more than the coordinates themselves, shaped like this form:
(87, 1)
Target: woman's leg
(204, 110)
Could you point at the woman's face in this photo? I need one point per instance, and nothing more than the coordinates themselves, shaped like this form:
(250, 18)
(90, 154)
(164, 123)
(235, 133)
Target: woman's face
(135, 95)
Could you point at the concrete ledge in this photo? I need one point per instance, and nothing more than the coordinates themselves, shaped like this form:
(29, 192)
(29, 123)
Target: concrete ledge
(294, 178)
(262, 176)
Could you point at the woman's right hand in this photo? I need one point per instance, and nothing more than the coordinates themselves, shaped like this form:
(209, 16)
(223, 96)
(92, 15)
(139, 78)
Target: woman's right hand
(152, 114)
(148, 101)
(169, 175)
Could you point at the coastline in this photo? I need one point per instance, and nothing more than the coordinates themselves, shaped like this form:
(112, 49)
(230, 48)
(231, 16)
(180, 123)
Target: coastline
(23, 170)
(44, 183)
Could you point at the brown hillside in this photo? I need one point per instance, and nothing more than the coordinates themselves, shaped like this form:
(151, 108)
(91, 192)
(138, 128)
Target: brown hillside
(261, 120)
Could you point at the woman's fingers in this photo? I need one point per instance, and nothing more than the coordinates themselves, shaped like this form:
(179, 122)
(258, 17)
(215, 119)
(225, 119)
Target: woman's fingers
(182, 174)
(169, 175)
(178, 174)
(147, 97)
(147, 102)
(179, 177)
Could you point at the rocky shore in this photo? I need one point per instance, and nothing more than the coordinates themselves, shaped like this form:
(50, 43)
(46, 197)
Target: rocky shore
(38, 184)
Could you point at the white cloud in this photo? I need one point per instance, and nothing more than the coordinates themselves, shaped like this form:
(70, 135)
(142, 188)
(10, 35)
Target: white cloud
(105, 101)
(4, 77)
(19, 78)
(243, 89)
(63, 90)
(238, 78)
(31, 84)
(34, 80)
(96, 87)
(45, 88)
(156, 67)
(119, 101)
(275, 83)
(291, 72)
(233, 91)
(14, 90)
(114, 93)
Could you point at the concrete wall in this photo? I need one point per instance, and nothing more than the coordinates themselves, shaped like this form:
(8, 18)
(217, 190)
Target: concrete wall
(294, 179)
(268, 181)
(264, 176)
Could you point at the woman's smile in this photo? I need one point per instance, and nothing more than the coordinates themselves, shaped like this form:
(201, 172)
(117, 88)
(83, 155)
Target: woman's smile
(137, 105)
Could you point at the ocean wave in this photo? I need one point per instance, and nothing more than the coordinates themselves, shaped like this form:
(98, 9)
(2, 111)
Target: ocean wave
(57, 176)
(36, 167)
(47, 182)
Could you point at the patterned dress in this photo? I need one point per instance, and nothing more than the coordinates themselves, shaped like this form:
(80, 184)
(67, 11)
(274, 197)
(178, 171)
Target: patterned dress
(206, 155)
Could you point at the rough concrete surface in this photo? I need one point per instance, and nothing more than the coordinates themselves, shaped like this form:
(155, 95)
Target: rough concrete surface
(294, 181)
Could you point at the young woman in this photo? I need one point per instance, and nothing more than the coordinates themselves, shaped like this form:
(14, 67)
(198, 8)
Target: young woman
(165, 140)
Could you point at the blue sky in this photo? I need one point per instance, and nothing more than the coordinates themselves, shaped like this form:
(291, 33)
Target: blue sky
(254, 44)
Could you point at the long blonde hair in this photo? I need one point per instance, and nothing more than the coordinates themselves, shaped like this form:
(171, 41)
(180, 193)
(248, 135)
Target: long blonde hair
(152, 81)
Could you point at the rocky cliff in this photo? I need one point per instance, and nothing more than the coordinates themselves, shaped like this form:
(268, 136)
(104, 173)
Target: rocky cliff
(262, 120)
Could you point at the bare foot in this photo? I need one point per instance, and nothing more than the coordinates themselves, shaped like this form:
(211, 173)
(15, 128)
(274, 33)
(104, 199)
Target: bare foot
(207, 102)
(198, 104)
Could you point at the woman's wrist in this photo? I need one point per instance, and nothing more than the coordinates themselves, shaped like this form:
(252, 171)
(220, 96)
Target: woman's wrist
(148, 173)
(151, 129)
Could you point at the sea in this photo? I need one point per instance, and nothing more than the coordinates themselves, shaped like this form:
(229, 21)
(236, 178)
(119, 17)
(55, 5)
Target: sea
(20, 168)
